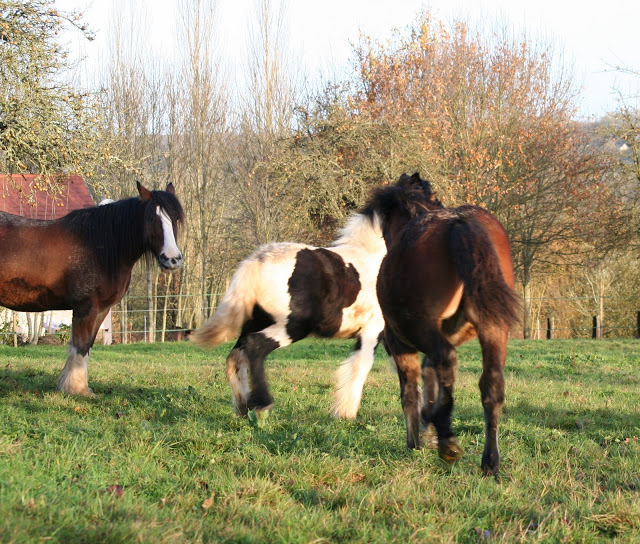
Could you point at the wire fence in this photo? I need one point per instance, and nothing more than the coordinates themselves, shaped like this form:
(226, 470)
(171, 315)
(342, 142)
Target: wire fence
(170, 318)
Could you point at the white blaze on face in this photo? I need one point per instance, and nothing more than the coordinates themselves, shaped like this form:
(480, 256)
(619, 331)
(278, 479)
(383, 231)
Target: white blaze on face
(169, 246)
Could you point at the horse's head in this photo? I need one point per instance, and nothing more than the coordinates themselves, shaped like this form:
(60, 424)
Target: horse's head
(163, 214)
(397, 204)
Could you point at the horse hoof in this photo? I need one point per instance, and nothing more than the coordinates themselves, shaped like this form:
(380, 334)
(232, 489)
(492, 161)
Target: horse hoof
(86, 393)
(430, 437)
(449, 450)
(242, 412)
(240, 409)
(343, 413)
(491, 471)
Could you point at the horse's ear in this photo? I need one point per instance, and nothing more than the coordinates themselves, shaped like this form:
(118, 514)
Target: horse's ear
(404, 178)
(408, 181)
(171, 189)
(145, 194)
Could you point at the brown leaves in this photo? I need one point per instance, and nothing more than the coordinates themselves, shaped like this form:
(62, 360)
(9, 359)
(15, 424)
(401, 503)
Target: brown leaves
(115, 490)
(208, 503)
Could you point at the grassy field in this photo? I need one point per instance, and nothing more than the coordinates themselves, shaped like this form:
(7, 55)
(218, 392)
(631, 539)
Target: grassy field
(159, 456)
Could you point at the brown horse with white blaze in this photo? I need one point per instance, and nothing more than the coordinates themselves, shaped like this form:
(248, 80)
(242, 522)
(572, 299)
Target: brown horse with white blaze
(447, 278)
(83, 262)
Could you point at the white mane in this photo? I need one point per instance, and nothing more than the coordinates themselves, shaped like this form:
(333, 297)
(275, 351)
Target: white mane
(364, 231)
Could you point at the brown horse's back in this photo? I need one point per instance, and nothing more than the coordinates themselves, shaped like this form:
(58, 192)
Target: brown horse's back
(446, 247)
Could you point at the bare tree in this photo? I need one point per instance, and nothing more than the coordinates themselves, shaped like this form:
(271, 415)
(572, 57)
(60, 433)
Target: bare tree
(199, 113)
(266, 116)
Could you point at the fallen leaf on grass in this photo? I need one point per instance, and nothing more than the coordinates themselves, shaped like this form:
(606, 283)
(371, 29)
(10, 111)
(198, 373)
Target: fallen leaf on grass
(208, 503)
(115, 490)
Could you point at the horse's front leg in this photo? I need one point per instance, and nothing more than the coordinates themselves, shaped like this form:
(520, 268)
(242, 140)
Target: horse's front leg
(351, 376)
(257, 347)
(408, 366)
(74, 378)
(431, 391)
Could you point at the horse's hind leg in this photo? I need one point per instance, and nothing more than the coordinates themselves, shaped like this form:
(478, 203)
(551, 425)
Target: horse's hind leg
(494, 354)
(351, 376)
(439, 372)
(237, 374)
(408, 365)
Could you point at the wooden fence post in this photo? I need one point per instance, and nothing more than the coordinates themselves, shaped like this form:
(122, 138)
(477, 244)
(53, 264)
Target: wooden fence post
(550, 328)
(594, 330)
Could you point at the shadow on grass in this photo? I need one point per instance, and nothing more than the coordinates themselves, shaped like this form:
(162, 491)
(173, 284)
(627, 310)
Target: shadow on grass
(32, 381)
(27, 388)
(304, 426)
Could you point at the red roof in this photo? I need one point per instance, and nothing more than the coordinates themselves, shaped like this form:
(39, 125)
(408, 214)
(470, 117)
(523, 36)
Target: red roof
(27, 195)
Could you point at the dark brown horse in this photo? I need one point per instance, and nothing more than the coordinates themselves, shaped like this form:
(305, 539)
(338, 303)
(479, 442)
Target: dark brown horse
(447, 278)
(83, 262)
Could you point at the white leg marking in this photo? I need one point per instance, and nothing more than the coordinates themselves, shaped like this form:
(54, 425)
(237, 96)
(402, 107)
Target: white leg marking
(278, 332)
(350, 378)
(74, 377)
(238, 377)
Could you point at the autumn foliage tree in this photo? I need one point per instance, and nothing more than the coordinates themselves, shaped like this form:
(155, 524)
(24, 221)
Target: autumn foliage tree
(488, 117)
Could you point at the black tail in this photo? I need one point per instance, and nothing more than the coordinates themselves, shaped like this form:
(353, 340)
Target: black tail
(487, 295)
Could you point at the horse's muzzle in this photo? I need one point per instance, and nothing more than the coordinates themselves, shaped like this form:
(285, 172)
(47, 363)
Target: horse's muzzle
(170, 263)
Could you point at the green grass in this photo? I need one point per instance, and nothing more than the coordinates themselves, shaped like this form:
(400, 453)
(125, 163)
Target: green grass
(190, 471)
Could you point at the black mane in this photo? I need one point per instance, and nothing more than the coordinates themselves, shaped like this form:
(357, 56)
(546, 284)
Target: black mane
(115, 231)
(411, 196)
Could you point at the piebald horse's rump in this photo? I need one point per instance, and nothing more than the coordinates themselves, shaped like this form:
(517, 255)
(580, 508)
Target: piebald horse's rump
(447, 278)
(285, 292)
(83, 262)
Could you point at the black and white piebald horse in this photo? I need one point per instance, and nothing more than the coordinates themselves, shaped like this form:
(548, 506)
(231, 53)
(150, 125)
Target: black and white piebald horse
(285, 292)
(83, 262)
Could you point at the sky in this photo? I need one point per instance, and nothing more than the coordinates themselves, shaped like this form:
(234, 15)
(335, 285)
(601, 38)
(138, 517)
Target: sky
(594, 36)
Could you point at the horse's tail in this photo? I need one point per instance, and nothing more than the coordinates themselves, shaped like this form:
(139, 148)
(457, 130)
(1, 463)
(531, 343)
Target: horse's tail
(235, 308)
(487, 294)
